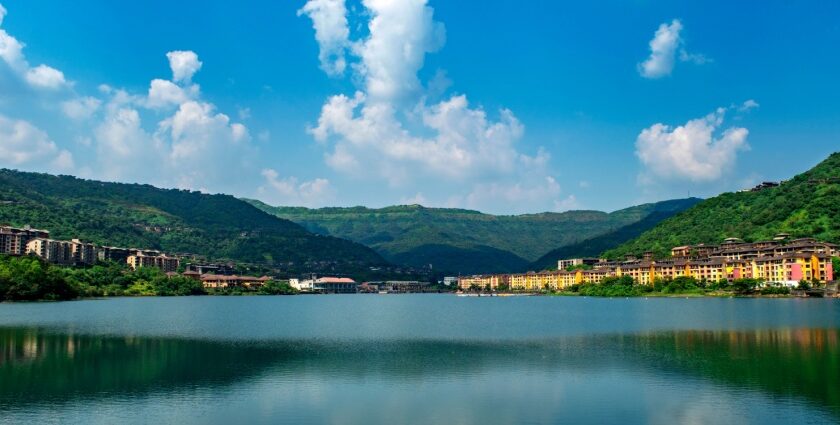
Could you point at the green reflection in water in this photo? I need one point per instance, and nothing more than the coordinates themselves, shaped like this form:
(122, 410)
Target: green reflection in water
(38, 366)
(784, 362)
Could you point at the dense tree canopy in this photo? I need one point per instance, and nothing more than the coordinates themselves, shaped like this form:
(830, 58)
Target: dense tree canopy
(807, 205)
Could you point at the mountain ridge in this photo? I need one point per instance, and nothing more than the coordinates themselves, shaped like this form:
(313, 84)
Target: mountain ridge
(173, 220)
(461, 240)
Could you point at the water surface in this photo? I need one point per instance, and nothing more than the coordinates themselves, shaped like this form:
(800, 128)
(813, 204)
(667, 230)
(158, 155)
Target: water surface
(414, 359)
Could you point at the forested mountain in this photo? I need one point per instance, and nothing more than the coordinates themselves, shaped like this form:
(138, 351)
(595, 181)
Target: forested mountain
(807, 205)
(133, 215)
(465, 241)
(595, 246)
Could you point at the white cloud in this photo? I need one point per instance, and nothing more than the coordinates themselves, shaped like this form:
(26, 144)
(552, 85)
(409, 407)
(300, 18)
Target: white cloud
(193, 148)
(124, 149)
(22, 145)
(515, 193)
(692, 151)
(11, 51)
(43, 76)
(695, 58)
(80, 108)
(748, 105)
(165, 93)
(290, 191)
(459, 135)
(329, 18)
(664, 46)
(184, 65)
(390, 130)
(567, 204)
(401, 33)
(417, 199)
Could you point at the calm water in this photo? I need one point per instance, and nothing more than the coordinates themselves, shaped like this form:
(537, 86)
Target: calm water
(418, 359)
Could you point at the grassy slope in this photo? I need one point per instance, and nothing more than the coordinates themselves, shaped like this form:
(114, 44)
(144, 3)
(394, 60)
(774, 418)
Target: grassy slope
(218, 226)
(806, 205)
(462, 240)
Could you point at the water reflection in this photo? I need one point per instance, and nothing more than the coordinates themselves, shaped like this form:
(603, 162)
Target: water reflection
(785, 362)
(801, 366)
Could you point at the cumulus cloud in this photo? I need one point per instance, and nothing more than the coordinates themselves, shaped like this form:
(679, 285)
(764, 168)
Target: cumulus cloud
(22, 145)
(80, 108)
(695, 151)
(43, 76)
(194, 147)
(165, 93)
(664, 46)
(168, 136)
(11, 52)
(329, 18)
(290, 191)
(388, 129)
(184, 65)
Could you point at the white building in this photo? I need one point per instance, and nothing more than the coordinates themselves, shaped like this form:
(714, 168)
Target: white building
(306, 285)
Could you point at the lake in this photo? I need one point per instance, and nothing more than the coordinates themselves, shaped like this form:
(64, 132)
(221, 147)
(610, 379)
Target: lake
(421, 359)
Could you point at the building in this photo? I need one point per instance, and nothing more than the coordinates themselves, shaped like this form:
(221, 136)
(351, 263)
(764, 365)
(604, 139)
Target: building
(572, 262)
(83, 252)
(401, 286)
(773, 261)
(52, 251)
(112, 253)
(226, 281)
(150, 258)
(335, 285)
(201, 268)
(450, 280)
(13, 240)
(302, 285)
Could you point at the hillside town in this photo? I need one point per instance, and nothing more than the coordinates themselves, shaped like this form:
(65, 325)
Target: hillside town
(782, 261)
(76, 253)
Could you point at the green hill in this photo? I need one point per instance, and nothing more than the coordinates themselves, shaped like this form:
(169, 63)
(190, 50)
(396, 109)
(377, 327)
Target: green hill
(465, 241)
(142, 216)
(807, 205)
(595, 246)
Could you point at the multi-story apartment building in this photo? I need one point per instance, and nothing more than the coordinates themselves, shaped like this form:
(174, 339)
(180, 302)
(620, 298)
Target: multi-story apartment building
(772, 261)
(53, 251)
(83, 252)
(565, 264)
(74, 252)
(151, 258)
(112, 253)
(13, 240)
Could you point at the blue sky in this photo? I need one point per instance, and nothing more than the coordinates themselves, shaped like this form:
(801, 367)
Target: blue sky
(501, 106)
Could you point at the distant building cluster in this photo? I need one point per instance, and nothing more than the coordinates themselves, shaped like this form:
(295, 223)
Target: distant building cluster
(29, 241)
(761, 186)
(345, 285)
(779, 260)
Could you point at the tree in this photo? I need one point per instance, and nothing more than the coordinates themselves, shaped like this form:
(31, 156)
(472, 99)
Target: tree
(743, 286)
(275, 287)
